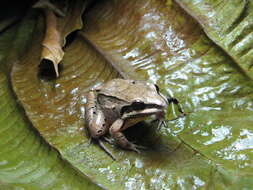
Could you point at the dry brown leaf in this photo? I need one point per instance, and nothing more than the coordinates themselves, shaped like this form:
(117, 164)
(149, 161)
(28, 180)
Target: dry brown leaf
(58, 26)
(52, 48)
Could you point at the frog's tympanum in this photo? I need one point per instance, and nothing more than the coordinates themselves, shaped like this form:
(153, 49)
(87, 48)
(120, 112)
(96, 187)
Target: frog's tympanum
(119, 104)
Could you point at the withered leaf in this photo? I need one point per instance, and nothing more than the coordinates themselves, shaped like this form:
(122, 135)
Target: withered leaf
(58, 25)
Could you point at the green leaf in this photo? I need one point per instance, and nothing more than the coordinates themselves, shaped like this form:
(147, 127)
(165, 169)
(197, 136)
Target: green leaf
(229, 24)
(160, 43)
(57, 111)
(166, 46)
(26, 161)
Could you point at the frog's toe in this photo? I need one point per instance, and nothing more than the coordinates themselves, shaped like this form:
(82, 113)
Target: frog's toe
(136, 148)
(89, 142)
(109, 140)
(141, 147)
(101, 144)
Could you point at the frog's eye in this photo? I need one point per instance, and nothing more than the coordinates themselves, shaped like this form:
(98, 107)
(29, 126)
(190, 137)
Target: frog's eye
(157, 88)
(138, 105)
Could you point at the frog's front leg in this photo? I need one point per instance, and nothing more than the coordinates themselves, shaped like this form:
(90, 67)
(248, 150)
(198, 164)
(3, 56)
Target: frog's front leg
(179, 107)
(95, 121)
(116, 132)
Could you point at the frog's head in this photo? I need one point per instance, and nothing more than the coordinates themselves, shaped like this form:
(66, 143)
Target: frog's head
(146, 100)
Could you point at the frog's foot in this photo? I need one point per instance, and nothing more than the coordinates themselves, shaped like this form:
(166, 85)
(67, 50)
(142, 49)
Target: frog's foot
(101, 144)
(125, 144)
(160, 124)
(119, 137)
(180, 116)
(109, 140)
(89, 142)
(135, 147)
(179, 107)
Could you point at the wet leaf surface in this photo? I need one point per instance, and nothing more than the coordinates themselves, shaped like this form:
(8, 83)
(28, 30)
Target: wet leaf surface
(175, 53)
(62, 124)
(229, 24)
(26, 161)
(210, 148)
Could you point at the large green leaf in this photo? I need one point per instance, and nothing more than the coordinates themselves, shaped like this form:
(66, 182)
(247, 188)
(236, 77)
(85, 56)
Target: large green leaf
(62, 123)
(168, 47)
(26, 161)
(229, 24)
(146, 37)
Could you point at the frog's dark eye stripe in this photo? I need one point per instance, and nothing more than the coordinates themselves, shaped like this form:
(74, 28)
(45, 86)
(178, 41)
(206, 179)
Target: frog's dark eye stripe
(135, 106)
(138, 105)
(157, 88)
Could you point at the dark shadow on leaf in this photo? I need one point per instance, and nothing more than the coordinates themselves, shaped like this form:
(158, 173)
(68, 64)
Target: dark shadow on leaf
(70, 38)
(160, 148)
(147, 135)
(46, 70)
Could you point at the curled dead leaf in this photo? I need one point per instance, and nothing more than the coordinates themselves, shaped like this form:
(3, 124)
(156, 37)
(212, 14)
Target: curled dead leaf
(59, 24)
(52, 48)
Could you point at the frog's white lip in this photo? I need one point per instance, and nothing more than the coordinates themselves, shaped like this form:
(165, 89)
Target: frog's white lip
(147, 111)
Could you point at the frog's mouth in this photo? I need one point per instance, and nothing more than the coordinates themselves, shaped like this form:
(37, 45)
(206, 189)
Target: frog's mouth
(129, 112)
(140, 107)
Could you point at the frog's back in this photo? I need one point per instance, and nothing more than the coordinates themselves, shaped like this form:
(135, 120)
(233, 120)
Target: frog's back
(127, 90)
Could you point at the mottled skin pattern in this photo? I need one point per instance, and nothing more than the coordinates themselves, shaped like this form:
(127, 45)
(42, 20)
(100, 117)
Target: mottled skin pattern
(119, 104)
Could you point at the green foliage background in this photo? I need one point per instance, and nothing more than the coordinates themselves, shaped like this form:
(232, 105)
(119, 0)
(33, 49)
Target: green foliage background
(199, 51)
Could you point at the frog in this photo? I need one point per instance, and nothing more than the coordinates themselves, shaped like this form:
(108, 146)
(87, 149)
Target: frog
(119, 104)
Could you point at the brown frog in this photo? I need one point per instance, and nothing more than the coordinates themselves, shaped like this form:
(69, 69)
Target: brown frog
(119, 104)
